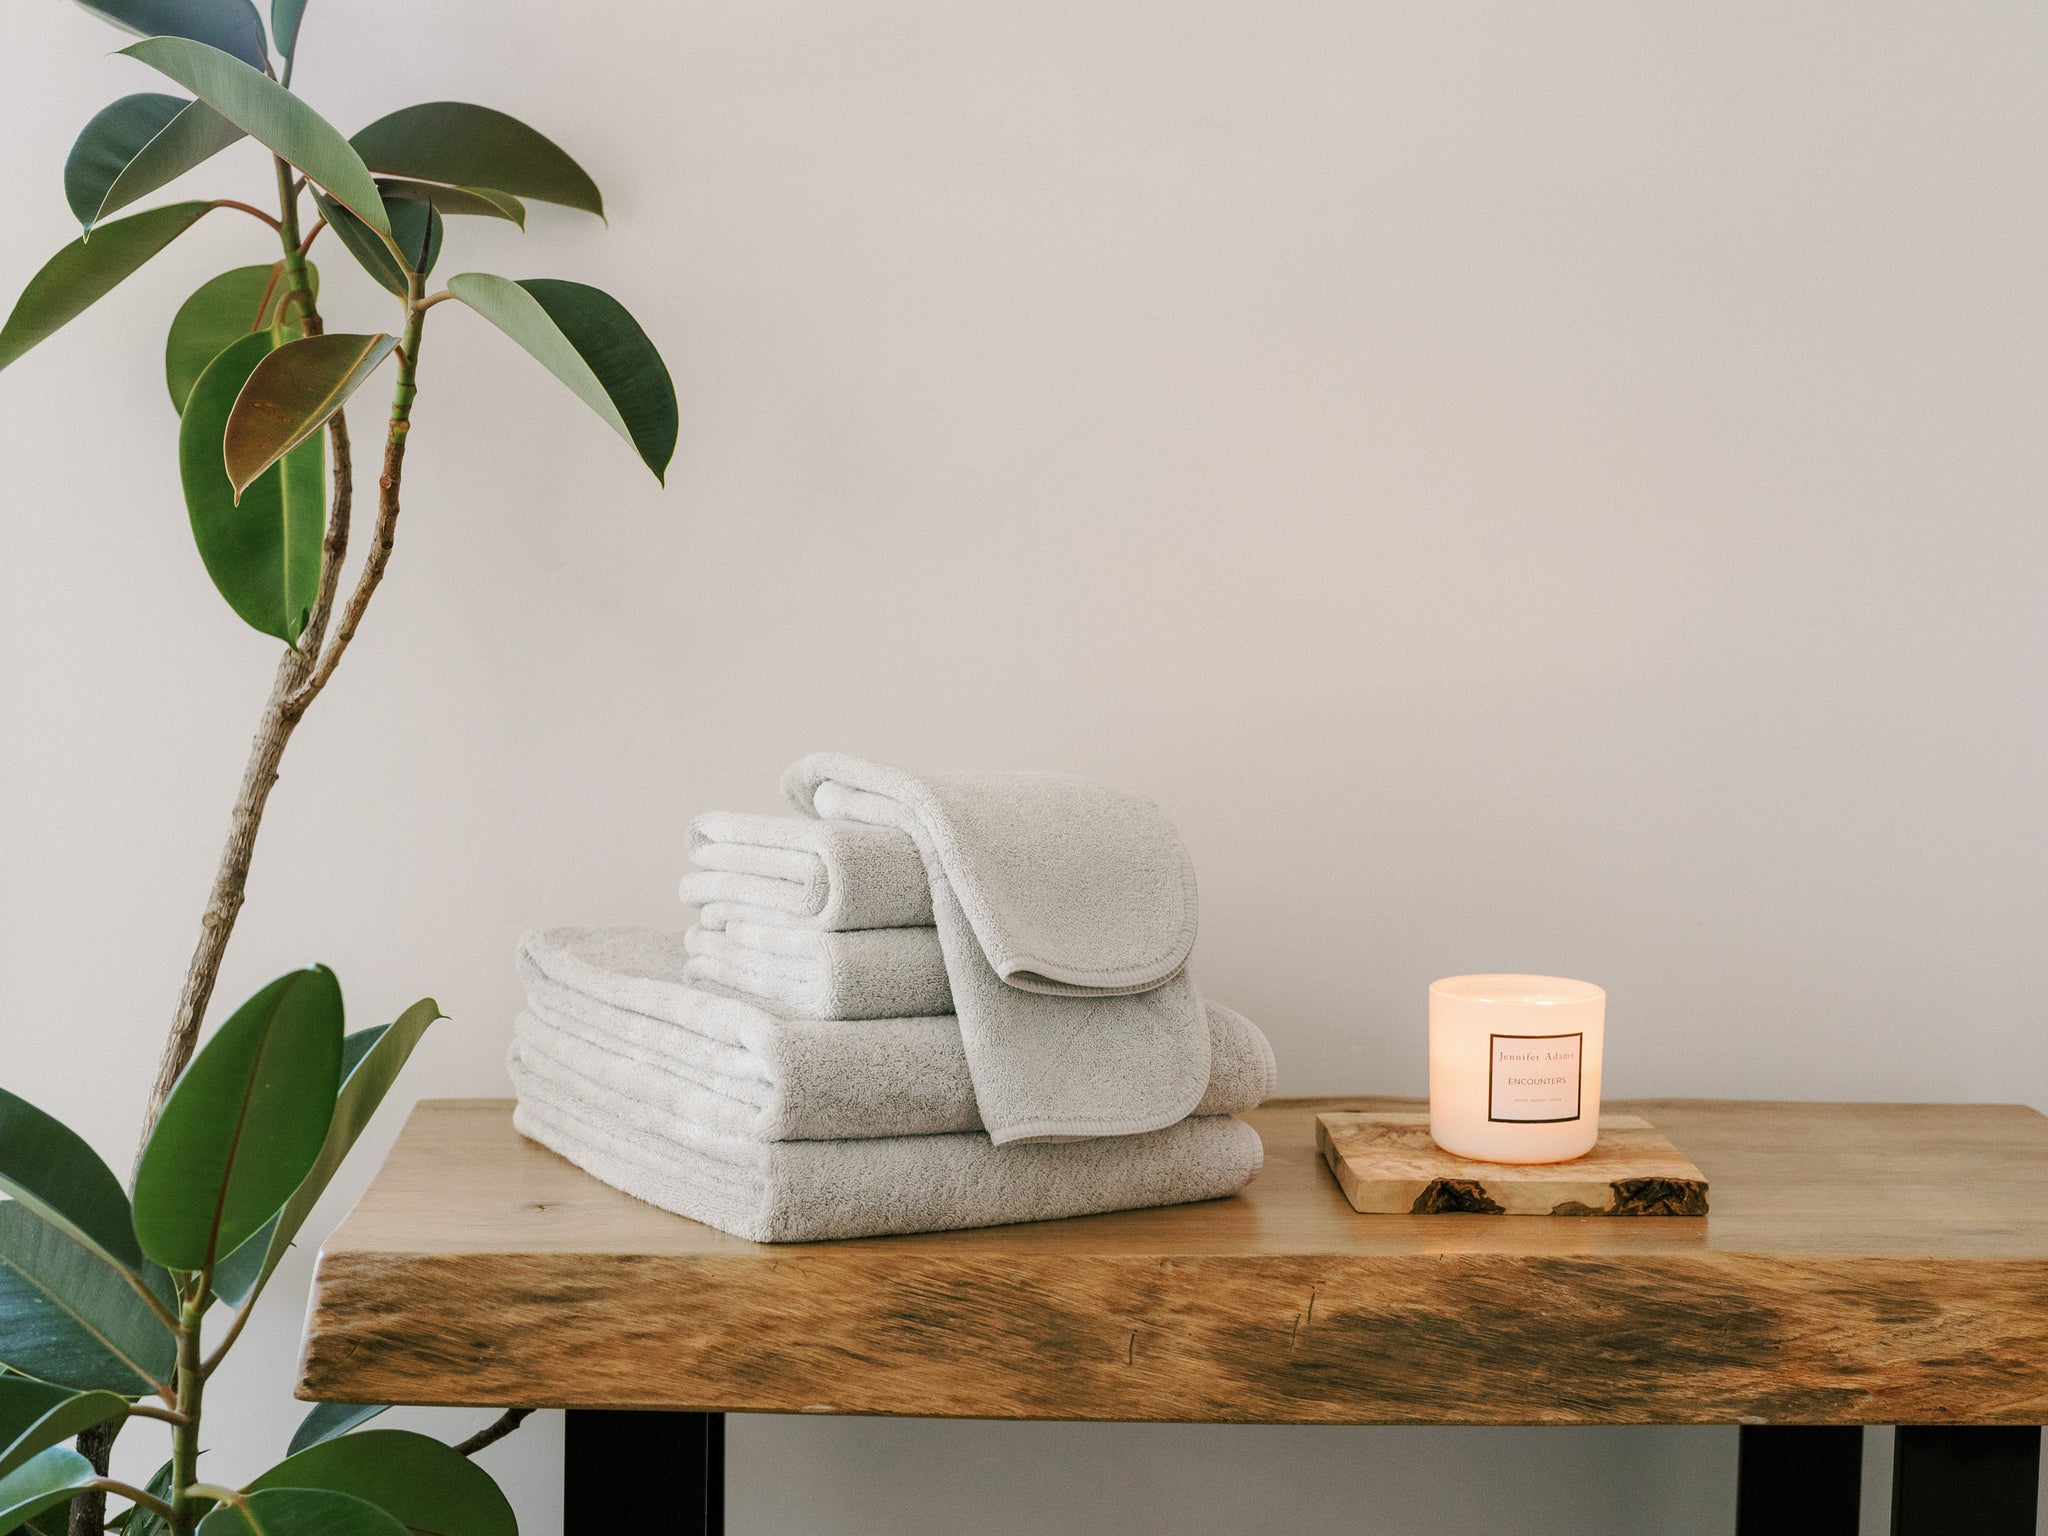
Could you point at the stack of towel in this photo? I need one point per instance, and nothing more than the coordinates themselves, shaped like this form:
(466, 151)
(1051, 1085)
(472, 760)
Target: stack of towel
(926, 1002)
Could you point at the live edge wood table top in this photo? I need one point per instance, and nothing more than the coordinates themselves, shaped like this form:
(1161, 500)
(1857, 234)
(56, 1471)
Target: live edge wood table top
(1864, 1263)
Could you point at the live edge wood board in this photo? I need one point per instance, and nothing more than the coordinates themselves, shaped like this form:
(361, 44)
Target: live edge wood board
(1387, 1165)
(1864, 1263)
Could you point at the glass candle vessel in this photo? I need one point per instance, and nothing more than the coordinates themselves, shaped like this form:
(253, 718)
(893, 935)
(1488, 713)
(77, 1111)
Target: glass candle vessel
(1514, 1067)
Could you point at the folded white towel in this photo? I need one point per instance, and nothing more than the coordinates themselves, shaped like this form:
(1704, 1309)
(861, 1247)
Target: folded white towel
(610, 1003)
(792, 1192)
(1066, 910)
(869, 973)
(829, 875)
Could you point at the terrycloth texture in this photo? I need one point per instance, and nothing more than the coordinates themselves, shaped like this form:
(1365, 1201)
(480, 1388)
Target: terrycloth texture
(829, 875)
(609, 1005)
(732, 1065)
(871, 973)
(804, 1191)
(1066, 911)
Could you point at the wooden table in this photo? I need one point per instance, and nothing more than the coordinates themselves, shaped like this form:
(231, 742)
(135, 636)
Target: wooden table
(1864, 1264)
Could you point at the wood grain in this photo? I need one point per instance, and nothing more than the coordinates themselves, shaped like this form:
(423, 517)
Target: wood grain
(1864, 1264)
(1387, 1165)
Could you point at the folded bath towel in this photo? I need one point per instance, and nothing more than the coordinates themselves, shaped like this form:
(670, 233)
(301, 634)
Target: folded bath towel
(791, 1192)
(829, 875)
(870, 973)
(610, 1003)
(1065, 910)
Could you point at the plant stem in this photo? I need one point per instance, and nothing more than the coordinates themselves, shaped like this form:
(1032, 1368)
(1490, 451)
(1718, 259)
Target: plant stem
(185, 1436)
(274, 727)
(148, 1501)
(254, 213)
(494, 1431)
(89, 1509)
(387, 510)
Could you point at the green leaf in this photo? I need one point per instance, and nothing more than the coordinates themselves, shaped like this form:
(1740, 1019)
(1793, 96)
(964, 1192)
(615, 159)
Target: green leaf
(330, 1419)
(229, 25)
(63, 1422)
(221, 313)
(245, 1122)
(108, 144)
(290, 396)
(272, 116)
(285, 16)
(469, 146)
(426, 1485)
(22, 1402)
(585, 338)
(415, 229)
(48, 1167)
(300, 1512)
(481, 202)
(263, 550)
(144, 1522)
(67, 1318)
(136, 145)
(81, 274)
(371, 1062)
(48, 1479)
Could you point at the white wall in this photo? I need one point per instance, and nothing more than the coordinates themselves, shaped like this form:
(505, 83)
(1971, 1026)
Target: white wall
(1544, 487)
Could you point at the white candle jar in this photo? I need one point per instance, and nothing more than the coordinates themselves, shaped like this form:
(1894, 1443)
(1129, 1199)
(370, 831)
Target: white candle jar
(1514, 1067)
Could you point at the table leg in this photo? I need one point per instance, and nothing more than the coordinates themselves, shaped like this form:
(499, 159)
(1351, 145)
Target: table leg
(1799, 1480)
(658, 1473)
(1957, 1480)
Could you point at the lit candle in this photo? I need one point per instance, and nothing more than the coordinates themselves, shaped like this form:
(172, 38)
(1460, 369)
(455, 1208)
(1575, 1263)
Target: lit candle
(1514, 1067)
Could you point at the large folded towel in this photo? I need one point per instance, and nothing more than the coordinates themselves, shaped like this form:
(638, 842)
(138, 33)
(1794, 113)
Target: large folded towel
(791, 1192)
(870, 973)
(830, 875)
(1066, 911)
(613, 1005)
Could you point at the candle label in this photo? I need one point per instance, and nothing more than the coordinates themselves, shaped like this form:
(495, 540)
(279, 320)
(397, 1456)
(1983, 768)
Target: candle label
(1535, 1078)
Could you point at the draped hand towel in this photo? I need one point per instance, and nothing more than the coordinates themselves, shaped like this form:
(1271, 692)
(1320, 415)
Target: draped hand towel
(1066, 911)
(829, 875)
(789, 1192)
(610, 1004)
(871, 973)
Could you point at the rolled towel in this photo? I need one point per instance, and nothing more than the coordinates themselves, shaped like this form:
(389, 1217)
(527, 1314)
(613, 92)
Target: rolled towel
(1066, 911)
(869, 973)
(611, 1004)
(828, 875)
(805, 1191)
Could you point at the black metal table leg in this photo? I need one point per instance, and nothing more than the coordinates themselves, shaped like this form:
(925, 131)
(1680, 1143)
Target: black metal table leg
(1799, 1480)
(1960, 1480)
(658, 1473)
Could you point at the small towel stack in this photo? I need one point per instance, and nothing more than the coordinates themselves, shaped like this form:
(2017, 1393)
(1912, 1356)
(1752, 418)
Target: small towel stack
(915, 1026)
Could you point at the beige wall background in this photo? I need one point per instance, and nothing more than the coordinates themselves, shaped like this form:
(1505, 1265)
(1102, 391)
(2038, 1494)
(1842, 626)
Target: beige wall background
(1549, 487)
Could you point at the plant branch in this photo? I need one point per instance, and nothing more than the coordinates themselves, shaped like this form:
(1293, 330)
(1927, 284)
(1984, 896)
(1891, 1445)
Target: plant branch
(334, 549)
(274, 727)
(494, 1431)
(306, 244)
(432, 299)
(379, 556)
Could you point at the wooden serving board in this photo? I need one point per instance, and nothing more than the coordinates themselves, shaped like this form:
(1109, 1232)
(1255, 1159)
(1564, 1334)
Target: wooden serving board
(1388, 1166)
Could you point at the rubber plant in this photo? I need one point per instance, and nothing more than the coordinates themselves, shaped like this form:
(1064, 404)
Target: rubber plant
(118, 1304)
